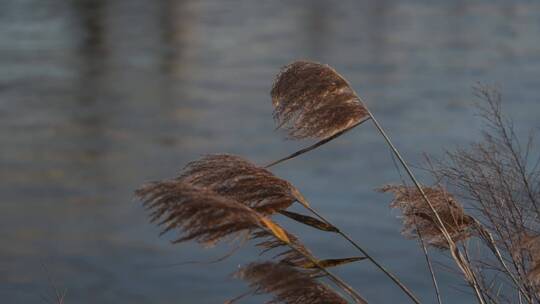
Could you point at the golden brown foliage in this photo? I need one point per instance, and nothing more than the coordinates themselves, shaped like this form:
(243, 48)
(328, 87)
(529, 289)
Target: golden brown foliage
(287, 284)
(234, 177)
(419, 218)
(312, 100)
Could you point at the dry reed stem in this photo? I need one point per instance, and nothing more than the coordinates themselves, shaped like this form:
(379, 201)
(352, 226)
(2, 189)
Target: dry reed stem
(458, 257)
(316, 145)
(500, 183)
(301, 94)
(313, 100)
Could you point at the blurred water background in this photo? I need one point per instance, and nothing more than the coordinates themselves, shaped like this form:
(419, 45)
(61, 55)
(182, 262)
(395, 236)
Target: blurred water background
(97, 97)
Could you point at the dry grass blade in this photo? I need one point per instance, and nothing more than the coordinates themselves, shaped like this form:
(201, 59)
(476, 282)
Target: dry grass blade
(298, 256)
(196, 214)
(312, 100)
(419, 217)
(287, 284)
(239, 179)
(310, 221)
(333, 262)
(315, 145)
(276, 230)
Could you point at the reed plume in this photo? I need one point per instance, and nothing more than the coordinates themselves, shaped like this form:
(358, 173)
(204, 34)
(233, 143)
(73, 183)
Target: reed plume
(223, 196)
(206, 217)
(287, 284)
(418, 218)
(529, 246)
(195, 213)
(312, 100)
(234, 177)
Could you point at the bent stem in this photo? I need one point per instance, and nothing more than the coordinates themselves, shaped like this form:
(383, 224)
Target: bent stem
(456, 254)
(407, 291)
(339, 282)
(461, 262)
(317, 144)
(368, 256)
(431, 271)
(495, 250)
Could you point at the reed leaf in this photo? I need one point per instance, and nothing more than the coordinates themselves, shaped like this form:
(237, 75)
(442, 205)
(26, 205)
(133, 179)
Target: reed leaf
(287, 284)
(309, 221)
(311, 100)
(332, 262)
(234, 177)
(276, 230)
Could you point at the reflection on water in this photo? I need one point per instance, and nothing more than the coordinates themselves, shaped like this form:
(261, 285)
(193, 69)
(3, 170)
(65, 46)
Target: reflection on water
(98, 96)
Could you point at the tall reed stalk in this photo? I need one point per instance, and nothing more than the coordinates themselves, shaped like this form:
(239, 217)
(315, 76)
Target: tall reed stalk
(222, 198)
(298, 93)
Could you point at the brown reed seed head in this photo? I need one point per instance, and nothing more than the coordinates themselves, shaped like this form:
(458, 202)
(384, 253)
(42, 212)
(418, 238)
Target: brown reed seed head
(237, 178)
(287, 284)
(312, 100)
(419, 218)
(528, 247)
(195, 213)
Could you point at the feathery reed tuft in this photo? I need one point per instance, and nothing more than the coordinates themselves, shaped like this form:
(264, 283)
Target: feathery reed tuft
(312, 100)
(418, 217)
(529, 246)
(197, 214)
(239, 179)
(287, 284)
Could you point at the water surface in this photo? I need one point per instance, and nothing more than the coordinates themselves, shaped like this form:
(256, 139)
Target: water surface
(97, 97)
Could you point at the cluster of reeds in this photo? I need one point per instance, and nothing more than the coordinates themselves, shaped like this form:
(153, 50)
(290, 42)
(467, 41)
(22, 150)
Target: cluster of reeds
(226, 198)
(499, 182)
